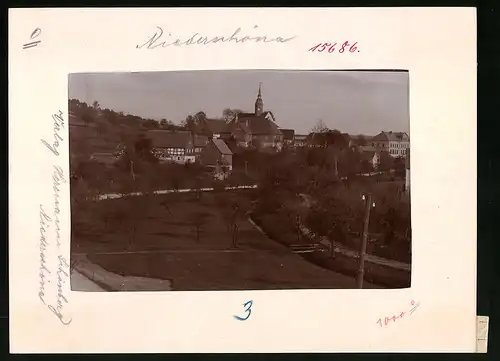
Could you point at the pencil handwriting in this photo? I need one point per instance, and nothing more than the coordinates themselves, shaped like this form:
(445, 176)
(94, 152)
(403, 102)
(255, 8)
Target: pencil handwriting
(159, 40)
(43, 270)
(52, 223)
(58, 124)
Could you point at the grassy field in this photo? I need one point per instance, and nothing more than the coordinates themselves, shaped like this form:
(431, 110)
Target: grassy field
(139, 237)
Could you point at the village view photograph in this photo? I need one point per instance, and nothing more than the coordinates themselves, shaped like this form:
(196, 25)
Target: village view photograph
(239, 180)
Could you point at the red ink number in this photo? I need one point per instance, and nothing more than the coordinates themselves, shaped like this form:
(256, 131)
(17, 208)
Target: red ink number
(324, 46)
(332, 47)
(314, 47)
(342, 49)
(394, 318)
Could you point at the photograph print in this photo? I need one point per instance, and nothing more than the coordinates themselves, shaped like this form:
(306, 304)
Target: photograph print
(240, 180)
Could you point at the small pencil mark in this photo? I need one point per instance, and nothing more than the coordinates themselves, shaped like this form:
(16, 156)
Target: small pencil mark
(33, 35)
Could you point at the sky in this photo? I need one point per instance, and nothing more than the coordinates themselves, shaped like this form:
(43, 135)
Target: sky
(355, 102)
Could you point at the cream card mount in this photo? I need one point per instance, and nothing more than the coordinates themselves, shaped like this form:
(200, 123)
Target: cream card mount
(151, 227)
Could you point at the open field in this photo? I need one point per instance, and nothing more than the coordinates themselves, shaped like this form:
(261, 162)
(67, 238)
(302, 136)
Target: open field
(138, 236)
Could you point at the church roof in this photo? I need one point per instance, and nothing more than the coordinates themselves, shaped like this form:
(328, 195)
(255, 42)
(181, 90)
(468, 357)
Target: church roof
(217, 126)
(257, 125)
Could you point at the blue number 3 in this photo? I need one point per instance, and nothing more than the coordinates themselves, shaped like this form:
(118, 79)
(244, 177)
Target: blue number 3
(248, 310)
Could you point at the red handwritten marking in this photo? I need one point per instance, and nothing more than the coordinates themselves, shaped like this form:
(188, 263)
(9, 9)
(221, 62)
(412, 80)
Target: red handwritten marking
(386, 320)
(332, 47)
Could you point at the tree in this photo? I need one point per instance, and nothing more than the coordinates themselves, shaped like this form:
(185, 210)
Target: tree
(189, 123)
(198, 220)
(137, 211)
(234, 210)
(96, 105)
(386, 161)
(228, 113)
(333, 142)
(199, 118)
(329, 218)
(350, 162)
(296, 211)
(151, 124)
(320, 127)
(166, 124)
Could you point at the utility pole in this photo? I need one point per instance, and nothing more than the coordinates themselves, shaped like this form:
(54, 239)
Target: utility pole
(364, 241)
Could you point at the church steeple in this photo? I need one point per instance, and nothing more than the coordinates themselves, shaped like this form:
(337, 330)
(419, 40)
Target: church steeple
(259, 104)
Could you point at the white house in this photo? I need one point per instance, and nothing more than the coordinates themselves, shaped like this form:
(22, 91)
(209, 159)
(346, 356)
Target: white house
(176, 146)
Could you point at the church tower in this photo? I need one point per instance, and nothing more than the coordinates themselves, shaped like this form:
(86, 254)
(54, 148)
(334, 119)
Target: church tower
(259, 104)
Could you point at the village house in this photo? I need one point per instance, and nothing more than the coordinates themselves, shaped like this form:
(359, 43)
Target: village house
(300, 140)
(257, 129)
(215, 128)
(218, 156)
(361, 142)
(288, 136)
(177, 146)
(394, 143)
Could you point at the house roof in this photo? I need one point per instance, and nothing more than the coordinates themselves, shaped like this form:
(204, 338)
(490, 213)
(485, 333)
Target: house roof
(288, 134)
(217, 126)
(222, 146)
(392, 136)
(175, 139)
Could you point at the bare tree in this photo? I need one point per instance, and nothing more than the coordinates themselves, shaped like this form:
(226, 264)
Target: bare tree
(234, 210)
(320, 127)
(198, 219)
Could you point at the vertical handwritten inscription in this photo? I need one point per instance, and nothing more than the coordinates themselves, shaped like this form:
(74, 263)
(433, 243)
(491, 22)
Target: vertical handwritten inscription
(43, 270)
(52, 223)
(58, 125)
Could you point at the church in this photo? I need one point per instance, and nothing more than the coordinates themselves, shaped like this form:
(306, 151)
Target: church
(257, 129)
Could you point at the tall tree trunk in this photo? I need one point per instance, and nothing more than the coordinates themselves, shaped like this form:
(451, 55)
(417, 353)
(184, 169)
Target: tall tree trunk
(297, 227)
(235, 236)
(197, 234)
(336, 161)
